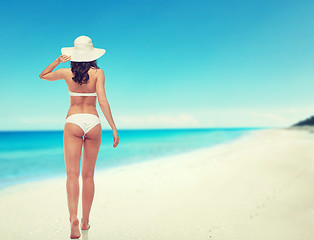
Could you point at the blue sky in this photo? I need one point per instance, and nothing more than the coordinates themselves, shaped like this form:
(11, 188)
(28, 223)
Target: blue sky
(168, 64)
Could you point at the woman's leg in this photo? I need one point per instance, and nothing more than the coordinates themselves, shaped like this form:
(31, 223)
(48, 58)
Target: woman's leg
(72, 143)
(91, 147)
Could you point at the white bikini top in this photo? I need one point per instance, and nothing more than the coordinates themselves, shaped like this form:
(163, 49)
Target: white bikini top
(82, 94)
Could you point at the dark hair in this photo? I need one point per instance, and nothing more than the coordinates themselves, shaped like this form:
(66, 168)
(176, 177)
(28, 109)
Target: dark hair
(80, 70)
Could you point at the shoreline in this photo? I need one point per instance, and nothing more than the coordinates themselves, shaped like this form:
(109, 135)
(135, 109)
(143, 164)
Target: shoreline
(35, 178)
(257, 186)
(21, 185)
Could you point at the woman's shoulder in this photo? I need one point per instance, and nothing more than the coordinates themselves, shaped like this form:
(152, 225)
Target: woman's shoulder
(99, 70)
(67, 69)
(96, 68)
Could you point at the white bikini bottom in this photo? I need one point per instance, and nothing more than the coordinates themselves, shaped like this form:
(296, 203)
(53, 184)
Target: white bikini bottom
(86, 121)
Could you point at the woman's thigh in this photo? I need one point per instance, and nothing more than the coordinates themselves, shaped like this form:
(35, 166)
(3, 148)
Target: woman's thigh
(91, 147)
(72, 144)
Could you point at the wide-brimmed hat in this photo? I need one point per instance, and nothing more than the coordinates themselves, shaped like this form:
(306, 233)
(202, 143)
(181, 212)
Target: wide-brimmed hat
(83, 50)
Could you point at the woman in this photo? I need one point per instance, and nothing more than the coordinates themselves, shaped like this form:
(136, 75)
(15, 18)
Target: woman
(85, 81)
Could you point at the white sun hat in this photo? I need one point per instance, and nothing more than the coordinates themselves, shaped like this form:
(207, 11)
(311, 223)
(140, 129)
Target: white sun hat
(83, 50)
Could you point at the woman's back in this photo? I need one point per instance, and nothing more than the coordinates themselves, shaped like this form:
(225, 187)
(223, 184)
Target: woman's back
(82, 104)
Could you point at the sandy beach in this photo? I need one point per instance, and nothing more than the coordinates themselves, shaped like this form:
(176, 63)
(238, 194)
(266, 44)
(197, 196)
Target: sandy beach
(256, 187)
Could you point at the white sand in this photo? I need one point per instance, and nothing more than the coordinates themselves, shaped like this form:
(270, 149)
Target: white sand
(257, 187)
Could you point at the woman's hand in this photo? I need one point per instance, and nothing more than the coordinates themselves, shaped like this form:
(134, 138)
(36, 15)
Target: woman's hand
(64, 58)
(115, 138)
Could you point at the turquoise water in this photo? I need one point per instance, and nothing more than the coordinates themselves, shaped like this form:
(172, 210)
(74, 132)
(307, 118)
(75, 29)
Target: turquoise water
(33, 155)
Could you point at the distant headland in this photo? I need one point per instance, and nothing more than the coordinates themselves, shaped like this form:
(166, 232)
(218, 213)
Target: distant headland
(307, 122)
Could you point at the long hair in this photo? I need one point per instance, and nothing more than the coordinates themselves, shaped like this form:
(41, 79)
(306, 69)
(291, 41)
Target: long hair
(80, 70)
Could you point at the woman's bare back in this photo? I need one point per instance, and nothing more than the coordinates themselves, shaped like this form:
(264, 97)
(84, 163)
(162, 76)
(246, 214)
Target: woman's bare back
(82, 104)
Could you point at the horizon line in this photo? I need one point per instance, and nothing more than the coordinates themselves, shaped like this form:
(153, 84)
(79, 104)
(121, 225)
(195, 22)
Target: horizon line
(142, 129)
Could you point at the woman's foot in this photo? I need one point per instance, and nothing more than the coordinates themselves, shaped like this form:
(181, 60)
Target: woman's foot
(84, 224)
(75, 231)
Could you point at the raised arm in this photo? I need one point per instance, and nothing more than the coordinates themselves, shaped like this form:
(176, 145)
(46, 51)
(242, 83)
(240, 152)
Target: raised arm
(104, 105)
(50, 75)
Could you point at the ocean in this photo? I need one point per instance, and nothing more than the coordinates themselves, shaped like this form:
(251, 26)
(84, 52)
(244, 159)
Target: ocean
(33, 155)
